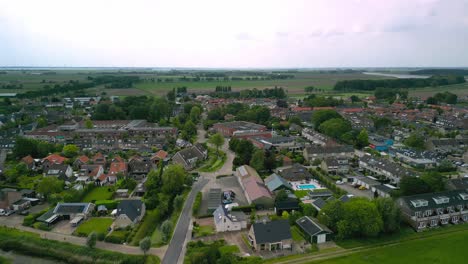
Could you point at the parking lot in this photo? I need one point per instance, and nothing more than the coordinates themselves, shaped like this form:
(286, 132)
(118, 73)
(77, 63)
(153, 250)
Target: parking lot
(16, 219)
(229, 183)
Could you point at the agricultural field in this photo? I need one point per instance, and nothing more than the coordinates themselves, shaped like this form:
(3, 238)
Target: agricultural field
(446, 248)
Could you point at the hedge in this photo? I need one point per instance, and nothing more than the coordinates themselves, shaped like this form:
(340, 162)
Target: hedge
(117, 236)
(30, 219)
(197, 204)
(32, 245)
(109, 204)
(245, 209)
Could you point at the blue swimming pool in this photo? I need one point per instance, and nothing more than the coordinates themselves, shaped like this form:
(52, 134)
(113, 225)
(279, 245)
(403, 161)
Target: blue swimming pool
(306, 186)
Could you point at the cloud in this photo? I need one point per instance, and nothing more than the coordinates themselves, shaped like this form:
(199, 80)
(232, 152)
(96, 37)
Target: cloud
(244, 36)
(281, 34)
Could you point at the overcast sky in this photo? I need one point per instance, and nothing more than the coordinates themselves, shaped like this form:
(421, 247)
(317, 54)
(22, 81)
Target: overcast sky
(235, 33)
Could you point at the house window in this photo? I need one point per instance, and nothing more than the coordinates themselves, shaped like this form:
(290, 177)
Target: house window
(422, 225)
(433, 222)
(428, 212)
(417, 214)
(465, 218)
(455, 219)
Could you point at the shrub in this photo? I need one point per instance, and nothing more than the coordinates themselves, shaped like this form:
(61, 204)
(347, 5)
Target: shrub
(41, 226)
(30, 219)
(245, 209)
(117, 237)
(196, 204)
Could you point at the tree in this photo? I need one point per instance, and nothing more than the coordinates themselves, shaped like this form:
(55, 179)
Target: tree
(173, 179)
(415, 140)
(178, 202)
(91, 240)
(335, 127)
(166, 229)
(413, 185)
(145, 244)
(191, 129)
(258, 160)
(89, 124)
(217, 140)
(390, 213)
(195, 113)
(320, 116)
(281, 196)
(434, 180)
(285, 215)
(362, 140)
(70, 150)
(49, 185)
(360, 218)
(354, 99)
(331, 213)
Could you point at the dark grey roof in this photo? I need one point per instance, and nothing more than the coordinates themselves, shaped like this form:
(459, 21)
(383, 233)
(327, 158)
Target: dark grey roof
(71, 208)
(383, 188)
(273, 231)
(386, 165)
(296, 173)
(274, 182)
(330, 149)
(243, 125)
(311, 227)
(214, 198)
(324, 193)
(319, 203)
(288, 204)
(458, 184)
(421, 202)
(131, 208)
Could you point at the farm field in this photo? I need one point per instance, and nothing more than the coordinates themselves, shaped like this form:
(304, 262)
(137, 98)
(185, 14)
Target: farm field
(447, 248)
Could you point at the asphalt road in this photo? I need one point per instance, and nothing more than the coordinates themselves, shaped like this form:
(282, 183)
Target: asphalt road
(178, 239)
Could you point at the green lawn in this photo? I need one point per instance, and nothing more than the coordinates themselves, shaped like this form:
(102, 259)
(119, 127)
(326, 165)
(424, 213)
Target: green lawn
(96, 224)
(214, 162)
(446, 248)
(232, 249)
(99, 193)
(202, 231)
(296, 234)
(301, 193)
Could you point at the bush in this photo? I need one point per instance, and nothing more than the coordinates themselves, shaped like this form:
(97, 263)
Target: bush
(32, 245)
(245, 209)
(117, 237)
(109, 204)
(30, 219)
(197, 204)
(42, 226)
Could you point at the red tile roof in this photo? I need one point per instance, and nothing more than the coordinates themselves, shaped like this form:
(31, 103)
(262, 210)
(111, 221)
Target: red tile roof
(161, 154)
(28, 159)
(55, 158)
(83, 158)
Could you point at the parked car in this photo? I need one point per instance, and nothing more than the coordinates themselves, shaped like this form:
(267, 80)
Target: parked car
(9, 212)
(2, 212)
(24, 212)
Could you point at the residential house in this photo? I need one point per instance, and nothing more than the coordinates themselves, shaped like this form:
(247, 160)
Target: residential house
(230, 129)
(334, 165)
(61, 171)
(314, 231)
(99, 159)
(189, 157)
(21, 204)
(274, 235)
(52, 159)
(80, 161)
(139, 167)
(255, 190)
(76, 212)
(296, 172)
(160, 156)
(118, 166)
(275, 183)
(29, 161)
(289, 205)
(384, 168)
(432, 210)
(129, 212)
(321, 152)
(226, 220)
(8, 197)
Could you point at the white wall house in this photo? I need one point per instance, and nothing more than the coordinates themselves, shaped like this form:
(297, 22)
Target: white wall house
(226, 220)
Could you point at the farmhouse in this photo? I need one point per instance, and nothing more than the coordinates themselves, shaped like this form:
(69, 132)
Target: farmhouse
(129, 212)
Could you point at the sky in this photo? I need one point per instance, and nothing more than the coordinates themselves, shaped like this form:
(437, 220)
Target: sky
(234, 34)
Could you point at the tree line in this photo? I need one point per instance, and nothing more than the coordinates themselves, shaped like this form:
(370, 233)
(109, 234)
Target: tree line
(371, 85)
(116, 82)
(225, 92)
